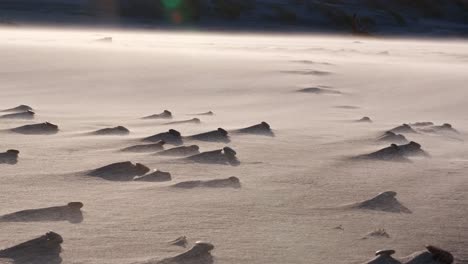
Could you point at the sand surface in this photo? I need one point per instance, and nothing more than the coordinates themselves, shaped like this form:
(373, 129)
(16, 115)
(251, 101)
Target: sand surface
(82, 85)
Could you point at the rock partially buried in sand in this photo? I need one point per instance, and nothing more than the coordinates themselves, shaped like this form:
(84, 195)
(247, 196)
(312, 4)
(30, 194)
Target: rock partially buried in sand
(405, 128)
(432, 255)
(9, 157)
(44, 249)
(397, 152)
(421, 124)
(37, 129)
(365, 119)
(384, 257)
(180, 151)
(231, 182)
(209, 113)
(180, 241)
(445, 128)
(146, 147)
(172, 137)
(190, 121)
(225, 156)
(20, 115)
(70, 212)
(393, 138)
(164, 115)
(112, 131)
(385, 201)
(200, 253)
(219, 135)
(20, 108)
(379, 233)
(260, 129)
(120, 171)
(318, 90)
(156, 176)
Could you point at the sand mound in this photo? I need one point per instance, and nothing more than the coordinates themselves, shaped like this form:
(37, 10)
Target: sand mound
(70, 212)
(37, 129)
(112, 131)
(44, 249)
(189, 121)
(219, 135)
(260, 129)
(164, 115)
(181, 151)
(9, 157)
(231, 182)
(171, 137)
(20, 115)
(156, 176)
(20, 108)
(121, 171)
(146, 147)
(225, 156)
(385, 201)
(393, 138)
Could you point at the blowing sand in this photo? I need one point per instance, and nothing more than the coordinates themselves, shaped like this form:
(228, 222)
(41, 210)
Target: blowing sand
(82, 86)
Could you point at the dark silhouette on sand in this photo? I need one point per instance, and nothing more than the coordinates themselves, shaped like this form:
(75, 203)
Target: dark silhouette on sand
(112, 131)
(37, 129)
(225, 156)
(393, 138)
(20, 108)
(385, 201)
(172, 137)
(318, 90)
(189, 121)
(41, 250)
(432, 255)
(365, 119)
(181, 151)
(20, 115)
(231, 182)
(180, 241)
(9, 157)
(146, 147)
(121, 171)
(421, 124)
(404, 128)
(164, 115)
(262, 129)
(396, 152)
(219, 135)
(209, 113)
(70, 212)
(200, 253)
(445, 128)
(156, 176)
